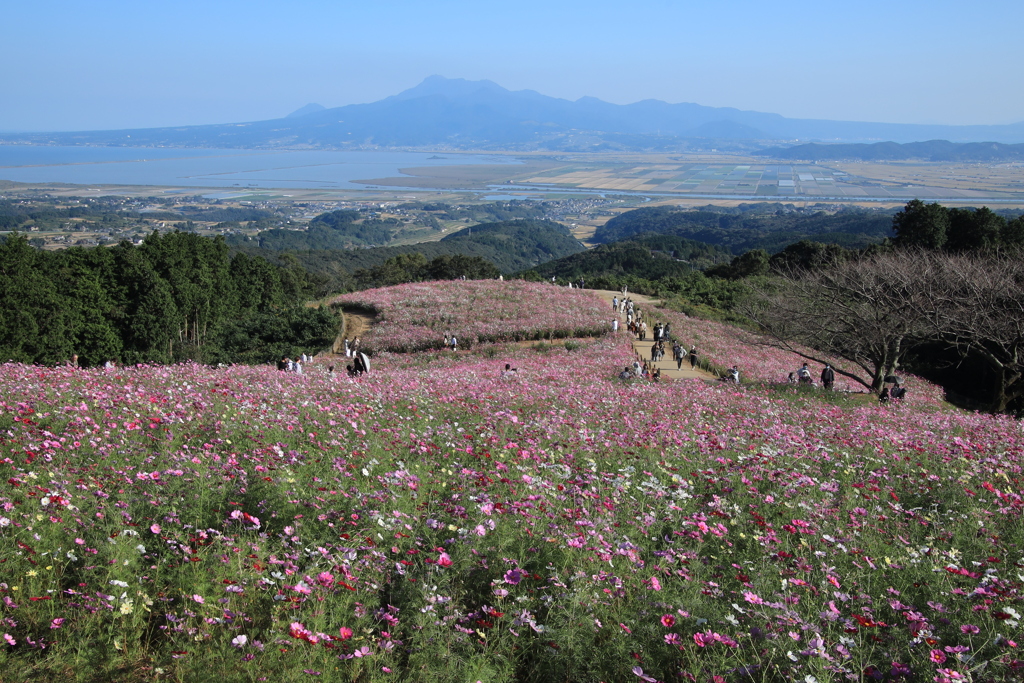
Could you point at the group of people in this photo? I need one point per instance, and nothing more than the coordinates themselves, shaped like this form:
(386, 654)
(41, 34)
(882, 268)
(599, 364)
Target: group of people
(679, 355)
(640, 369)
(662, 337)
(451, 342)
(357, 367)
(803, 376)
(897, 393)
(287, 364)
(732, 375)
(352, 347)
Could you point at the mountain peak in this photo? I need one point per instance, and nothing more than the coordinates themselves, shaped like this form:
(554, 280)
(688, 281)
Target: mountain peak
(457, 88)
(310, 108)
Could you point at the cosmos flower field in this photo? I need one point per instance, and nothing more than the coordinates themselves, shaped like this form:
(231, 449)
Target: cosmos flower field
(434, 521)
(418, 316)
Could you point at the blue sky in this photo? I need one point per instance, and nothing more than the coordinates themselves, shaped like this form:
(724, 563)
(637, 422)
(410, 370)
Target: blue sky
(113, 64)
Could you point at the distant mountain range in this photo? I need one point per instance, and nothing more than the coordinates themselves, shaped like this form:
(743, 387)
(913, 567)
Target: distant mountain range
(460, 114)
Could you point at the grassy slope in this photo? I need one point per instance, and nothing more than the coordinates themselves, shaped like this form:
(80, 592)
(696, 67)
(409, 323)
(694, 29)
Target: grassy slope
(556, 525)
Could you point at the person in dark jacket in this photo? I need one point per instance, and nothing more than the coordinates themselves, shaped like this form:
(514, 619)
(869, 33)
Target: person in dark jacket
(828, 376)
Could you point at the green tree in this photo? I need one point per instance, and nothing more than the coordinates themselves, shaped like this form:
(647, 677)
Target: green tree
(78, 277)
(33, 317)
(972, 229)
(148, 318)
(921, 225)
(1012, 234)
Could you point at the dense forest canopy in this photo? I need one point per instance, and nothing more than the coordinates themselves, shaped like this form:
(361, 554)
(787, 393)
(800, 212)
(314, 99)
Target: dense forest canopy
(483, 213)
(769, 227)
(510, 246)
(652, 256)
(178, 296)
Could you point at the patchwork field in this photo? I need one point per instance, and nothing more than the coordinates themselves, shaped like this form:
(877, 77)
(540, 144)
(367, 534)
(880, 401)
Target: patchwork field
(849, 182)
(437, 521)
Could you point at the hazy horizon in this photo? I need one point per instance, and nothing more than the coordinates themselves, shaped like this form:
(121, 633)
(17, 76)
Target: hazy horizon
(114, 64)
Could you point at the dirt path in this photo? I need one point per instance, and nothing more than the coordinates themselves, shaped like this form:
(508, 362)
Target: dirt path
(356, 324)
(643, 348)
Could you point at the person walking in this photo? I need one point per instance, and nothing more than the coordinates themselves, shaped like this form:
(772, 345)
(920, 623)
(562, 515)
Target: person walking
(677, 355)
(828, 377)
(693, 357)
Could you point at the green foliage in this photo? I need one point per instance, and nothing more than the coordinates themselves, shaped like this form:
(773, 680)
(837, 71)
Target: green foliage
(415, 268)
(509, 247)
(807, 255)
(933, 226)
(483, 213)
(761, 226)
(530, 241)
(753, 262)
(651, 256)
(1012, 234)
(921, 225)
(177, 296)
(34, 325)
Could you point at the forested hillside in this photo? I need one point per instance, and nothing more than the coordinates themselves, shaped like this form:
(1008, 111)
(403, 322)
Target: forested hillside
(758, 227)
(650, 256)
(178, 296)
(511, 246)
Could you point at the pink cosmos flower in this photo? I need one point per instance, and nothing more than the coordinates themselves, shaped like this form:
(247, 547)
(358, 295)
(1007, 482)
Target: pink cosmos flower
(345, 632)
(198, 598)
(10, 639)
(513, 576)
(444, 560)
(668, 621)
(937, 656)
(969, 629)
(57, 623)
(640, 672)
(753, 598)
(155, 528)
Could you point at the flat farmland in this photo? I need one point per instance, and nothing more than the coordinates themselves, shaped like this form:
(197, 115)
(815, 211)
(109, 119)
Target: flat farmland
(727, 177)
(972, 179)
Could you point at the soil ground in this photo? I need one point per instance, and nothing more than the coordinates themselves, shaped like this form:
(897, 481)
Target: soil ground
(643, 348)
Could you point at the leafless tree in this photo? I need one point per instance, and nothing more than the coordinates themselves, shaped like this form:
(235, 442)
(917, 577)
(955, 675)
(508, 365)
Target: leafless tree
(873, 310)
(868, 311)
(975, 304)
